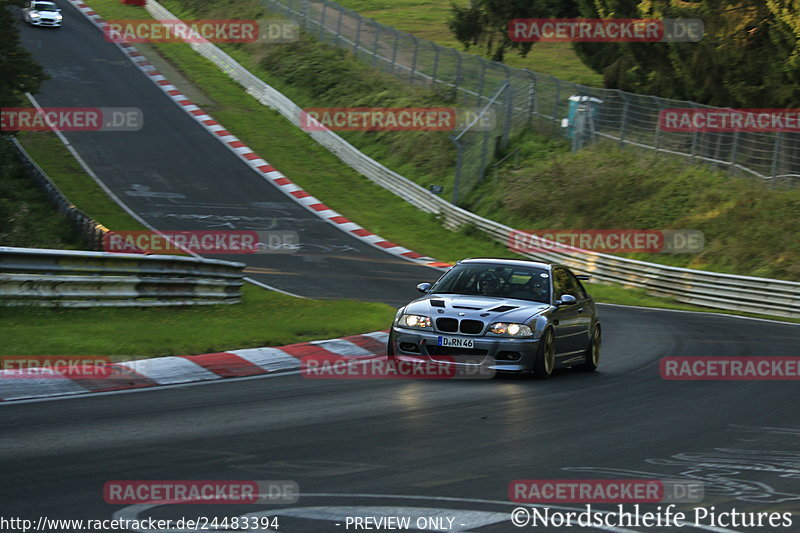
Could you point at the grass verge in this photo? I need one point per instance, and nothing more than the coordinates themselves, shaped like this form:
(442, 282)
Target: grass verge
(323, 175)
(135, 332)
(26, 216)
(264, 318)
(427, 19)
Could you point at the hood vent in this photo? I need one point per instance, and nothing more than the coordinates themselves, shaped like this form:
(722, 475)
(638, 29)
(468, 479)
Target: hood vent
(467, 307)
(437, 303)
(503, 308)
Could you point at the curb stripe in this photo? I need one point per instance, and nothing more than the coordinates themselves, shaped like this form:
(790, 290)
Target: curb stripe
(249, 157)
(170, 370)
(226, 365)
(121, 378)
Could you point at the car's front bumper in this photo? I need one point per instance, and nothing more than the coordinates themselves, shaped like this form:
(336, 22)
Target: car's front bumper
(45, 23)
(502, 354)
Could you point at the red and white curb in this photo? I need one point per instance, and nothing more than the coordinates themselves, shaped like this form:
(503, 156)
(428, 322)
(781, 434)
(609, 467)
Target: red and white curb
(249, 157)
(192, 368)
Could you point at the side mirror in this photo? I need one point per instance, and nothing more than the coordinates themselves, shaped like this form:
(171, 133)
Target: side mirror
(424, 287)
(567, 299)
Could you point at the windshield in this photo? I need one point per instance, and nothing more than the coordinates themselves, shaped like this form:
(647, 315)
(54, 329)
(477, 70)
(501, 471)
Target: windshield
(485, 279)
(44, 6)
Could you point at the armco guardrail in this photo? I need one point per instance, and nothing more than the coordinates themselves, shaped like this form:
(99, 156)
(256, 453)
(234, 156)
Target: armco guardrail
(39, 277)
(711, 289)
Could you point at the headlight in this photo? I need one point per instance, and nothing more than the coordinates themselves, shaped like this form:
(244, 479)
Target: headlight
(59, 16)
(415, 321)
(35, 15)
(510, 329)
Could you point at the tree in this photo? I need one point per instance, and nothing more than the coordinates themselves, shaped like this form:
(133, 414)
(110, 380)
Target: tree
(749, 55)
(19, 73)
(485, 22)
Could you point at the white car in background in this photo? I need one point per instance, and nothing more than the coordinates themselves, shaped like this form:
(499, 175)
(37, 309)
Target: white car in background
(39, 13)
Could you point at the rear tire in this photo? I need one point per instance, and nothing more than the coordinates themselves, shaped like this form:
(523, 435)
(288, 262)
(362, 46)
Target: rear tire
(592, 353)
(545, 360)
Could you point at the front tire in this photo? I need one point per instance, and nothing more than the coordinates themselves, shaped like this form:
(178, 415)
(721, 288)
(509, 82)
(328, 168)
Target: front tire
(592, 353)
(545, 360)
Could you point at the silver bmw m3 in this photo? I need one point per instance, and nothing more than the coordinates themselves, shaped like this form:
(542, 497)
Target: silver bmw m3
(510, 315)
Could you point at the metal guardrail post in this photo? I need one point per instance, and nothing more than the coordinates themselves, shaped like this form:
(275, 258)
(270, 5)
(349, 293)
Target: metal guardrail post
(775, 151)
(532, 99)
(508, 115)
(339, 24)
(484, 155)
(624, 119)
(734, 150)
(357, 40)
(413, 69)
(457, 79)
(306, 20)
(394, 49)
(695, 141)
(657, 142)
(322, 16)
(376, 44)
(435, 73)
(459, 164)
(481, 81)
(556, 120)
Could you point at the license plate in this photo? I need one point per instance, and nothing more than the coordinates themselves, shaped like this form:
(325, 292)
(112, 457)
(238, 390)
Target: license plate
(456, 342)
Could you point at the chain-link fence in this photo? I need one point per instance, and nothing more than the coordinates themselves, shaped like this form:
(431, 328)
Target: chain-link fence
(520, 98)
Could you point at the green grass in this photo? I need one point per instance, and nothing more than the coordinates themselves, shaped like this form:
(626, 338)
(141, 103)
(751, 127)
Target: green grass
(319, 172)
(51, 154)
(264, 318)
(749, 228)
(138, 332)
(26, 216)
(427, 19)
(314, 74)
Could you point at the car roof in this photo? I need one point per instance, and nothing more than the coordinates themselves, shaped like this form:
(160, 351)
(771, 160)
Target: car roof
(509, 262)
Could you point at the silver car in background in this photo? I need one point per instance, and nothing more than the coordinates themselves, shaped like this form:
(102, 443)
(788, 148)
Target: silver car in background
(38, 13)
(515, 315)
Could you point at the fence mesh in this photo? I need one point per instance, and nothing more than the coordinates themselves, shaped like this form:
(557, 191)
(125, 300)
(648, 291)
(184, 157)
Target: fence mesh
(520, 98)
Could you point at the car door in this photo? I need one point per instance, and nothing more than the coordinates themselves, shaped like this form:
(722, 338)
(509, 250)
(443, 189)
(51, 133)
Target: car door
(568, 320)
(585, 311)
